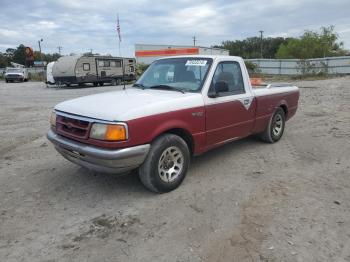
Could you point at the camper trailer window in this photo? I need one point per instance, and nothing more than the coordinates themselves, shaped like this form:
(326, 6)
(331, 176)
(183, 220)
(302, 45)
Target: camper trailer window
(113, 64)
(101, 63)
(107, 64)
(86, 67)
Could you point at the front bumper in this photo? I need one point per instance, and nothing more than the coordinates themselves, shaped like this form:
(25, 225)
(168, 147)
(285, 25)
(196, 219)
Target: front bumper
(14, 77)
(101, 160)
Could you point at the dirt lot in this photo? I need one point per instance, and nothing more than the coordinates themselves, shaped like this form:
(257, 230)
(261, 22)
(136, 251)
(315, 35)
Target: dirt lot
(246, 201)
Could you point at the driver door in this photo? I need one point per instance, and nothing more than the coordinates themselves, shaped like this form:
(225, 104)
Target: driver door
(230, 115)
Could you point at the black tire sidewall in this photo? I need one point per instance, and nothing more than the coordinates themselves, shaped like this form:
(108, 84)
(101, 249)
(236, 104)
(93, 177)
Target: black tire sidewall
(157, 148)
(280, 112)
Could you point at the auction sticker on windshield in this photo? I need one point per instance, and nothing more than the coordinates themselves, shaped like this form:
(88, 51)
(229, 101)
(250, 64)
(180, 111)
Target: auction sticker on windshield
(196, 62)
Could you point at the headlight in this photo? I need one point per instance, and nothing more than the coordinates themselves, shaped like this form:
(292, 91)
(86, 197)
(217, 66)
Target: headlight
(109, 132)
(53, 120)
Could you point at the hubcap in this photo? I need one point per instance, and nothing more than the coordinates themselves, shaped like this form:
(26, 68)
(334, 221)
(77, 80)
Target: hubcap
(170, 164)
(277, 126)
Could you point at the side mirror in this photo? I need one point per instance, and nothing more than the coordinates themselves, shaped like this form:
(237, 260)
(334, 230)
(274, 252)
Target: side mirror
(220, 86)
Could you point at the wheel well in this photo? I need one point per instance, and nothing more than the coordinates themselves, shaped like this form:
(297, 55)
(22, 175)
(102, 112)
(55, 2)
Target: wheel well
(185, 135)
(284, 107)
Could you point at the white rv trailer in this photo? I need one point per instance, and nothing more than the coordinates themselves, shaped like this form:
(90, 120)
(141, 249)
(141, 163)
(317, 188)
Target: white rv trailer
(80, 69)
(49, 77)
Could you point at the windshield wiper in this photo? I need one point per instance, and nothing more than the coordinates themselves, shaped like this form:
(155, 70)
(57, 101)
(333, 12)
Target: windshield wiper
(139, 85)
(167, 87)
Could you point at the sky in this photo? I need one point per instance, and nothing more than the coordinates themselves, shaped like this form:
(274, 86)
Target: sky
(80, 25)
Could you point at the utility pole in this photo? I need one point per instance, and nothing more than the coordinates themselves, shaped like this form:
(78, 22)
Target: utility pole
(261, 43)
(194, 40)
(90, 50)
(39, 42)
(41, 57)
(59, 49)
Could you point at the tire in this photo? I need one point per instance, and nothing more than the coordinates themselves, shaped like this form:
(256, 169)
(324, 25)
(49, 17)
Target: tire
(119, 81)
(95, 84)
(275, 127)
(7, 81)
(113, 82)
(101, 83)
(68, 85)
(168, 152)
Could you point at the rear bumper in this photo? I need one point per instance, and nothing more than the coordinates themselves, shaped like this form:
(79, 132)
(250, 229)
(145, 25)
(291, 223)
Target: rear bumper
(101, 160)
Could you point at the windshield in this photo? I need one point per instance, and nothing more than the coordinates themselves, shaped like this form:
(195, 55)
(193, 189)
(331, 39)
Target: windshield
(184, 74)
(14, 70)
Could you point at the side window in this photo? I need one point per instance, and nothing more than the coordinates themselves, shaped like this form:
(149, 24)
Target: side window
(230, 73)
(113, 64)
(86, 67)
(104, 63)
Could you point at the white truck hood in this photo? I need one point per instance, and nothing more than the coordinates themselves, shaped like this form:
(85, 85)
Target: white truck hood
(131, 103)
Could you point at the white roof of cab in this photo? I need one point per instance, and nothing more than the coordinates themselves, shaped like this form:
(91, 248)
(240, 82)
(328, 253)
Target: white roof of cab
(224, 57)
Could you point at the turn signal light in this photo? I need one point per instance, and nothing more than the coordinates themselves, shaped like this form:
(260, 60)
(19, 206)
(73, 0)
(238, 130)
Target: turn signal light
(109, 132)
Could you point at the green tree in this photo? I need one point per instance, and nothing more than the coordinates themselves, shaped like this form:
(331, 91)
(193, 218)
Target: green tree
(250, 47)
(19, 55)
(313, 44)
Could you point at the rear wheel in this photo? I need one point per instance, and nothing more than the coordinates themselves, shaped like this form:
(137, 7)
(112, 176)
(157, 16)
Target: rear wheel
(166, 164)
(101, 83)
(7, 81)
(95, 84)
(275, 127)
(68, 85)
(113, 82)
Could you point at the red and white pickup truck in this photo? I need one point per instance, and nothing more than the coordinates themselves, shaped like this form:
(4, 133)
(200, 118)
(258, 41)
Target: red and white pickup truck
(181, 106)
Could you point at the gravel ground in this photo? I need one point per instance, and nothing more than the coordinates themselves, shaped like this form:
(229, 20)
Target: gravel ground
(245, 201)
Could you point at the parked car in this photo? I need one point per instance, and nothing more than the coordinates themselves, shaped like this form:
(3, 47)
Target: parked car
(81, 69)
(13, 74)
(180, 107)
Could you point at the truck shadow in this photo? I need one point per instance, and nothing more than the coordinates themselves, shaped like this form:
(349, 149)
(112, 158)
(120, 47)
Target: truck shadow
(119, 186)
(215, 155)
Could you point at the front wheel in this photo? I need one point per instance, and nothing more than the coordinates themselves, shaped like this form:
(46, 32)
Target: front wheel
(275, 127)
(166, 164)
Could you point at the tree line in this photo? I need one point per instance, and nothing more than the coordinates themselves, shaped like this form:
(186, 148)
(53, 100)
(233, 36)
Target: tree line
(17, 55)
(311, 44)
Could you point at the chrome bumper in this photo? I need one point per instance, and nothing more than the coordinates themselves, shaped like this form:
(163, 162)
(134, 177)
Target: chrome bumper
(98, 159)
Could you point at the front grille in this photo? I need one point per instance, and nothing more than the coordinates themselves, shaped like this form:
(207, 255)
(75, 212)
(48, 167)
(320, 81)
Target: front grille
(72, 127)
(13, 76)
